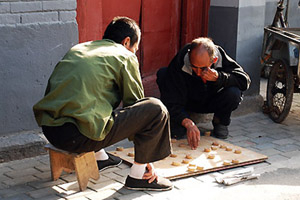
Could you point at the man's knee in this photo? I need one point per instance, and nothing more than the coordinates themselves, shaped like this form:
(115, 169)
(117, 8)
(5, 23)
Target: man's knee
(156, 106)
(160, 75)
(233, 94)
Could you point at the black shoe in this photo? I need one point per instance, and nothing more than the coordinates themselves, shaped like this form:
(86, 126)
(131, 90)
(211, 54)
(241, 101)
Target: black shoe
(159, 184)
(112, 161)
(220, 131)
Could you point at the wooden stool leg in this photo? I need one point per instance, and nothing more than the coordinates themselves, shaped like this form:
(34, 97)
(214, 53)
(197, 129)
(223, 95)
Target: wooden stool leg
(56, 169)
(93, 167)
(60, 162)
(86, 167)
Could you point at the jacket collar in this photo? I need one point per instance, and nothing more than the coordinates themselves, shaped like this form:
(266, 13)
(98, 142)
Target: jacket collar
(187, 65)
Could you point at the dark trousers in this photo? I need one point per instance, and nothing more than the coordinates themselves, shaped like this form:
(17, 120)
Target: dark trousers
(146, 122)
(221, 104)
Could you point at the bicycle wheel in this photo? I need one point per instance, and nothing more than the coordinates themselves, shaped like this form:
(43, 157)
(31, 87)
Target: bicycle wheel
(280, 91)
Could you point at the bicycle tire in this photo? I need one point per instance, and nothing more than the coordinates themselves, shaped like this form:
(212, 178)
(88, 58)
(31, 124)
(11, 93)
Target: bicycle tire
(280, 89)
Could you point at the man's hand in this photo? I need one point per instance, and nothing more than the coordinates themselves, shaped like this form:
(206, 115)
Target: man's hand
(150, 175)
(193, 133)
(209, 74)
(193, 136)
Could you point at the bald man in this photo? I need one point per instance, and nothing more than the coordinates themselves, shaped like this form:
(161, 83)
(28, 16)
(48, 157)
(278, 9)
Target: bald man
(201, 78)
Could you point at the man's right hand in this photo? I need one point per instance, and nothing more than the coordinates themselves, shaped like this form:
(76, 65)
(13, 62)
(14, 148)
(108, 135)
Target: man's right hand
(193, 133)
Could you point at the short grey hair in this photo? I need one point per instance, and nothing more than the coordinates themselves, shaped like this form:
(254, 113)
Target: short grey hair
(205, 44)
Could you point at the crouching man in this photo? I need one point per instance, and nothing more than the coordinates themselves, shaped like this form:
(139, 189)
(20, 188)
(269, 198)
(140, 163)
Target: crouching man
(201, 78)
(79, 110)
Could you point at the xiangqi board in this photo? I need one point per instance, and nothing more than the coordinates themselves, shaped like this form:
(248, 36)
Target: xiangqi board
(211, 155)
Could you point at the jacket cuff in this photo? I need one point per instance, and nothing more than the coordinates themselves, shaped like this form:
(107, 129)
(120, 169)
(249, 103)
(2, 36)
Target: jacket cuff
(219, 81)
(179, 118)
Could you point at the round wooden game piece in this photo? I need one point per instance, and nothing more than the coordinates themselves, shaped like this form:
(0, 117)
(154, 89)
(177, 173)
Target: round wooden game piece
(207, 133)
(173, 140)
(130, 154)
(223, 146)
(199, 168)
(181, 145)
(191, 169)
(214, 148)
(185, 161)
(206, 150)
(188, 156)
(211, 156)
(215, 143)
(228, 149)
(235, 161)
(226, 162)
(192, 165)
(175, 163)
(238, 151)
(119, 149)
(173, 155)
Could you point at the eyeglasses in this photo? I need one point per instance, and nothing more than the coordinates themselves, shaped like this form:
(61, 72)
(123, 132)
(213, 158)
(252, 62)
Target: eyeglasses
(199, 68)
(202, 68)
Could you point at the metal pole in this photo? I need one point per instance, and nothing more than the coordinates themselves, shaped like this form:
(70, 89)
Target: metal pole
(286, 13)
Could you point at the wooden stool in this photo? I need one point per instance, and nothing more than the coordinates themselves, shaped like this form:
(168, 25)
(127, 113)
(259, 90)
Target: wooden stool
(84, 164)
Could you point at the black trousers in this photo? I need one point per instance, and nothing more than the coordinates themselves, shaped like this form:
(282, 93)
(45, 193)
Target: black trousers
(146, 122)
(221, 104)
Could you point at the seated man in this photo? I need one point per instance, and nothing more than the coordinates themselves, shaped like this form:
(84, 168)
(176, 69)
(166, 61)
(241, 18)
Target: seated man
(201, 78)
(79, 110)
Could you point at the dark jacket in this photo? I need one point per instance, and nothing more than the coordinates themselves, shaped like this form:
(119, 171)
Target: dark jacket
(182, 86)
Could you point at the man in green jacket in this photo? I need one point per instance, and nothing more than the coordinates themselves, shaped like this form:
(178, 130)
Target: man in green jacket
(79, 112)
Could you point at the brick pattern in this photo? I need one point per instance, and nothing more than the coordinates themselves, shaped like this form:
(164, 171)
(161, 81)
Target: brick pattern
(36, 11)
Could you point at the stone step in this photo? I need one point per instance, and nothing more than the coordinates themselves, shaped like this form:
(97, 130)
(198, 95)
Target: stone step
(21, 145)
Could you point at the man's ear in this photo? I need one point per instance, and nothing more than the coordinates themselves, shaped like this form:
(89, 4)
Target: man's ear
(215, 59)
(126, 42)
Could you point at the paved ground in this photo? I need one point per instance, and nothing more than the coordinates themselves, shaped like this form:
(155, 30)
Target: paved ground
(280, 175)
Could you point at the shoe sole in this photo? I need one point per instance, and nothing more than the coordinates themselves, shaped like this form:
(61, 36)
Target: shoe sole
(222, 137)
(219, 137)
(149, 189)
(110, 166)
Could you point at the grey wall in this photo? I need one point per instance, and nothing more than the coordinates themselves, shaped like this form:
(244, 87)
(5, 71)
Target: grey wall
(270, 9)
(223, 31)
(34, 35)
(249, 42)
(237, 25)
(294, 14)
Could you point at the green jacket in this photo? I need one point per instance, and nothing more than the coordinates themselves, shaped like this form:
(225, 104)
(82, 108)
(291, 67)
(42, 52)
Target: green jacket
(87, 85)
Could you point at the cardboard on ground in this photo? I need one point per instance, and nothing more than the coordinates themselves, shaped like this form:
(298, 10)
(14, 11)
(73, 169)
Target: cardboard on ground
(199, 158)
